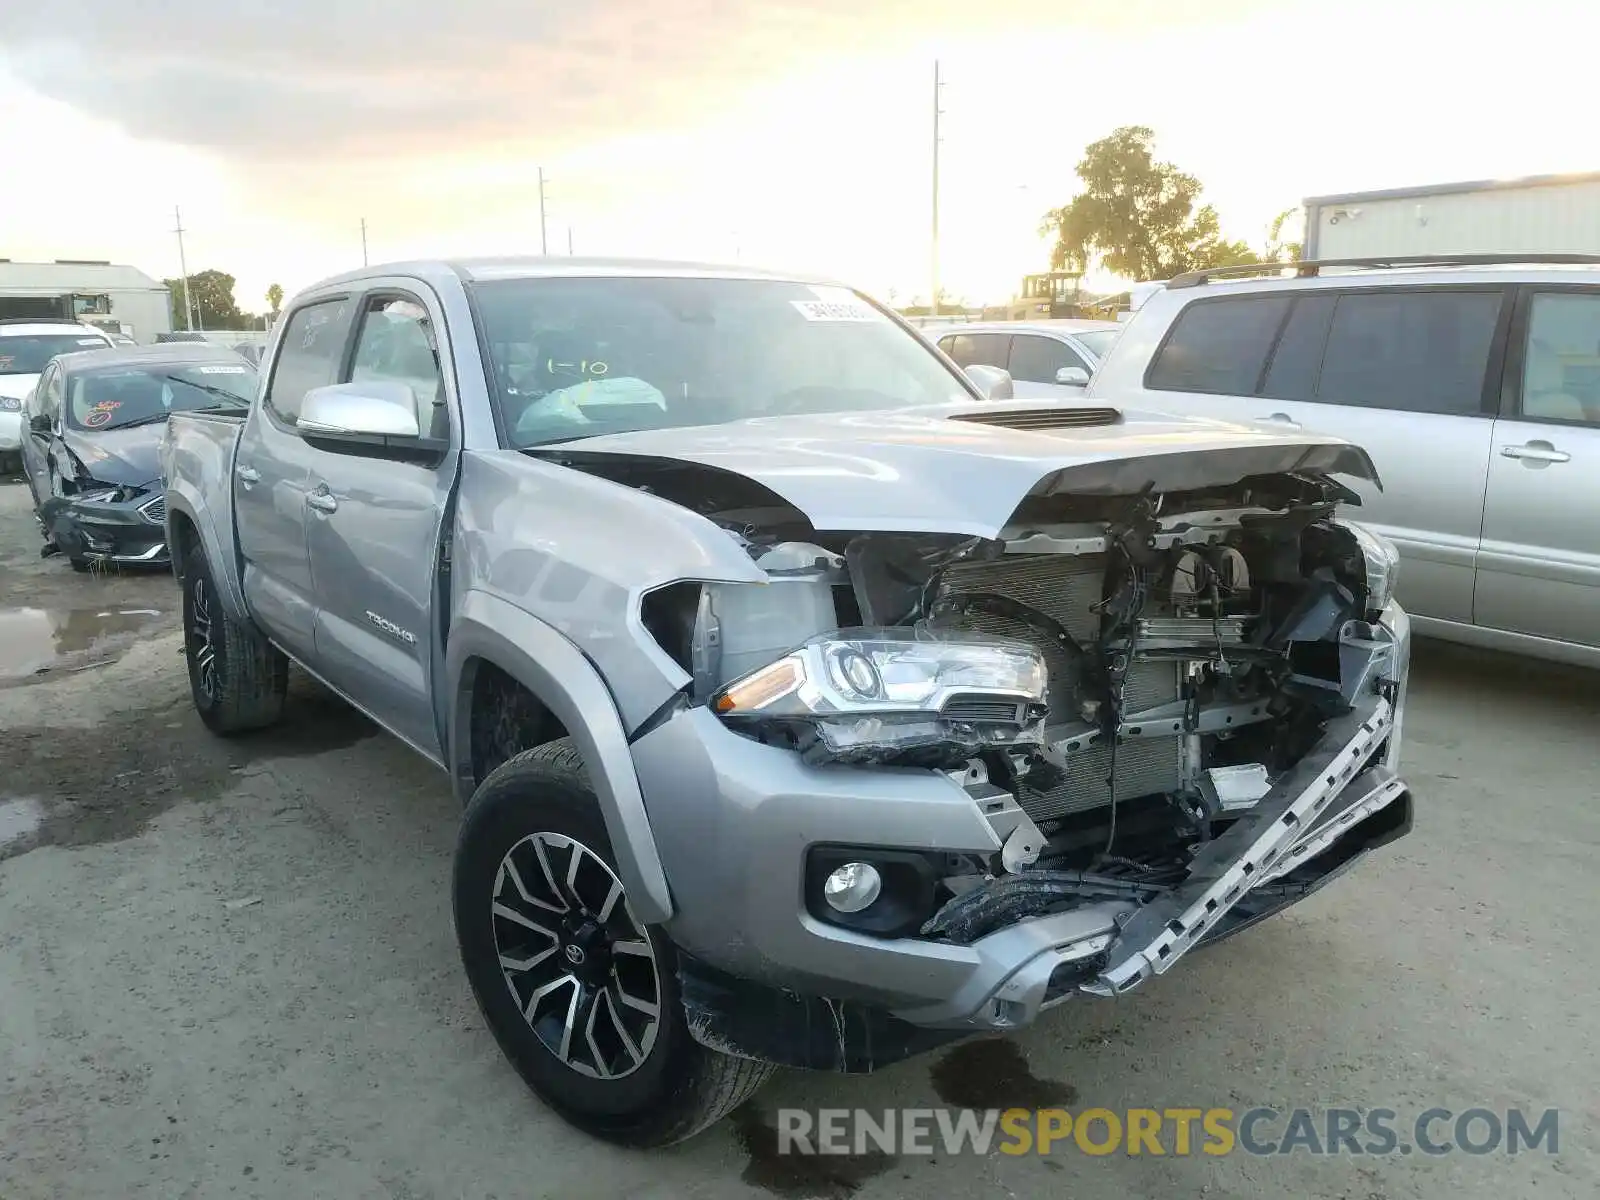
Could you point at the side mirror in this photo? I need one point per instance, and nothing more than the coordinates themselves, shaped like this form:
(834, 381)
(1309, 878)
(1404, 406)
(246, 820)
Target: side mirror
(1072, 377)
(374, 414)
(993, 382)
(39, 422)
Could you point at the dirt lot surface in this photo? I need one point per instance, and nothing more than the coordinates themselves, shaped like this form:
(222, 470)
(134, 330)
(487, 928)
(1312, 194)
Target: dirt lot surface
(227, 969)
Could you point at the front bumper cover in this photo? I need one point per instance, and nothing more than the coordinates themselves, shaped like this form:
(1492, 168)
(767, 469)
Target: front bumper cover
(131, 532)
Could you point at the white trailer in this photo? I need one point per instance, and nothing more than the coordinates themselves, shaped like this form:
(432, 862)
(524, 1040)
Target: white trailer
(1553, 214)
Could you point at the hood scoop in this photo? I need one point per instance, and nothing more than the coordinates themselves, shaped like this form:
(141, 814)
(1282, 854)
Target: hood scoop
(1043, 418)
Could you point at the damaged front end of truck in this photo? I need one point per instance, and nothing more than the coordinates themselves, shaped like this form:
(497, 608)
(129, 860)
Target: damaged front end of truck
(1175, 704)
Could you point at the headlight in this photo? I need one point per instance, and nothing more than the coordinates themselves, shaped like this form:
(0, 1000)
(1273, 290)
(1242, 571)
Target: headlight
(1382, 566)
(106, 495)
(862, 695)
(10, 404)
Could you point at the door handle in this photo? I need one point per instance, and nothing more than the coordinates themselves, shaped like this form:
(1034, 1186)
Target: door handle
(323, 501)
(1538, 451)
(247, 475)
(1284, 419)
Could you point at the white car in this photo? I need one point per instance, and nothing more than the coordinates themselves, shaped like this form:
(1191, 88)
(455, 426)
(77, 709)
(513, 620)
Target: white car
(26, 345)
(1048, 360)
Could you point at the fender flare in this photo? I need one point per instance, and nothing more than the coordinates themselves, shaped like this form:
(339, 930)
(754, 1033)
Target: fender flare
(224, 570)
(544, 661)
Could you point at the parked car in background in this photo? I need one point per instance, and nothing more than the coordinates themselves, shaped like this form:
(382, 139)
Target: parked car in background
(1046, 359)
(90, 450)
(811, 701)
(1473, 381)
(26, 345)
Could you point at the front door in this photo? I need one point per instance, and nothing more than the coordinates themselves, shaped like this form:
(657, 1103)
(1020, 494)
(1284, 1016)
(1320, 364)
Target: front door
(1036, 363)
(374, 529)
(271, 468)
(1539, 565)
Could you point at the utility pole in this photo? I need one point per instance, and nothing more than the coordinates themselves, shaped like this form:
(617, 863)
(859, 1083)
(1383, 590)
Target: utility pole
(934, 245)
(363, 241)
(569, 241)
(544, 241)
(183, 266)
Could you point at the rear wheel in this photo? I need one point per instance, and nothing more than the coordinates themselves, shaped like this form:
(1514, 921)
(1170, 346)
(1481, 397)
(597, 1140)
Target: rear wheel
(237, 677)
(581, 996)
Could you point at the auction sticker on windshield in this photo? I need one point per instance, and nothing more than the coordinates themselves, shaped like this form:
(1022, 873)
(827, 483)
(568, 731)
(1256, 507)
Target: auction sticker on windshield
(836, 304)
(220, 370)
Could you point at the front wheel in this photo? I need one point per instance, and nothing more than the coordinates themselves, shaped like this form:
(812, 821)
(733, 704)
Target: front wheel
(582, 997)
(237, 677)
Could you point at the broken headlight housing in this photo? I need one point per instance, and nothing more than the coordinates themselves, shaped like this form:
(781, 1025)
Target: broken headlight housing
(891, 695)
(96, 493)
(1382, 562)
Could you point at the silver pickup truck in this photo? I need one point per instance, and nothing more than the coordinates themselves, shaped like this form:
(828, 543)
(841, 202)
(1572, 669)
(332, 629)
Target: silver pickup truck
(812, 701)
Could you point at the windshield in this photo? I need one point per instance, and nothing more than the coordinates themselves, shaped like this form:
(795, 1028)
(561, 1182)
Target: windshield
(576, 357)
(116, 397)
(27, 353)
(1098, 341)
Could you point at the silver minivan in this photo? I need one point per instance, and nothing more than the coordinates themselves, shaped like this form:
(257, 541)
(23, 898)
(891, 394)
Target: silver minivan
(1472, 380)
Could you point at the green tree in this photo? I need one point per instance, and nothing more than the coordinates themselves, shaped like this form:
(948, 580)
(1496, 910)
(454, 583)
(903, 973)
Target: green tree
(275, 296)
(211, 295)
(1136, 216)
(1278, 248)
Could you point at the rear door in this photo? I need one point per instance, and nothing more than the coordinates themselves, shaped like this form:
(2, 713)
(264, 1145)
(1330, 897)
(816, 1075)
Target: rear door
(1539, 566)
(271, 469)
(43, 401)
(1034, 362)
(1410, 374)
(375, 523)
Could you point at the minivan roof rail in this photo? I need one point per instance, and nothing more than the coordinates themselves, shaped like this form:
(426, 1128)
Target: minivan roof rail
(1313, 267)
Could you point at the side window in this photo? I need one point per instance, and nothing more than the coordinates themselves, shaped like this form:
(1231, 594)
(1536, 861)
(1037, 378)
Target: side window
(1561, 373)
(50, 396)
(1292, 374)
(309, 356)
(1036, 359)
(986, 348)
(33, 402)
(1218, 346)
(1414, 351)
(396, 344)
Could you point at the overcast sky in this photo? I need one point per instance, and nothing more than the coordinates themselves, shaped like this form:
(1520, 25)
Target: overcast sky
(793, 133)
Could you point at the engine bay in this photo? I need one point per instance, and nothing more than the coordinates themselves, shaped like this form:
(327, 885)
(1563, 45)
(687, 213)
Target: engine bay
(1196, 647)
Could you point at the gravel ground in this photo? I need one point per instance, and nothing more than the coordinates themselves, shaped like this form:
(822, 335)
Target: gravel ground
(228, 968)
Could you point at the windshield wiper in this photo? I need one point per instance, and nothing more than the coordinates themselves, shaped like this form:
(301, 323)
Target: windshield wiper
(233, 399)
(134, 424)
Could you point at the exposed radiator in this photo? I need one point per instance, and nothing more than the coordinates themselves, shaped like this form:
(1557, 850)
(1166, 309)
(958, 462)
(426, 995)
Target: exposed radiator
(1065, 588)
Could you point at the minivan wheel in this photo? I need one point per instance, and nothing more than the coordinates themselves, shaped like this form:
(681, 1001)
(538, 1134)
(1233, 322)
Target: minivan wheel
(238, 679)
(581, 996)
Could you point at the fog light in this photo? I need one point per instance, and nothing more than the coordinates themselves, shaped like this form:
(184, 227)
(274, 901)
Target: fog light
(852, 887)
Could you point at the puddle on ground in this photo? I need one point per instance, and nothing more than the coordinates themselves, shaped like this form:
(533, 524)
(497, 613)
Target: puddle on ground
(993, 1073)
(81, 787)
(20, 820)
(800, 1176)
(37, 643)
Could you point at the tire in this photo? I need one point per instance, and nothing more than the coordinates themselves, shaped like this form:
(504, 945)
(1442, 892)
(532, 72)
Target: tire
(238, 679)
(654, 1085)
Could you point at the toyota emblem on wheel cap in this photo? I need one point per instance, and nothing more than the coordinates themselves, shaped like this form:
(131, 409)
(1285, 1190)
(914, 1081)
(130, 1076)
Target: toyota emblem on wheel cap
(574, 953)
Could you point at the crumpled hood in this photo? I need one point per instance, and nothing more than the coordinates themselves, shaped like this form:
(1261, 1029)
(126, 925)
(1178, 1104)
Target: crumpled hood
(921, 471)
(119, 456)
(17, 386)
